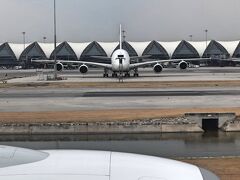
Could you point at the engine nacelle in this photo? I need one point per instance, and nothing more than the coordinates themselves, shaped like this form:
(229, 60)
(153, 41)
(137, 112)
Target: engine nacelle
(59, 66)
(183, 65)
(83, 69)
(158, 68)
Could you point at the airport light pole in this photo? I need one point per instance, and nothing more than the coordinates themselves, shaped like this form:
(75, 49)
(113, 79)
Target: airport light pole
(55, 41)
(24, 39)
(124, 35)
(24, 45)
(191, 37)
(44, 39)
(206, 36)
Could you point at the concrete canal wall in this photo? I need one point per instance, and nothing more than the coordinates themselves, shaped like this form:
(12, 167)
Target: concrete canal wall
(142, 126)
(189, 123)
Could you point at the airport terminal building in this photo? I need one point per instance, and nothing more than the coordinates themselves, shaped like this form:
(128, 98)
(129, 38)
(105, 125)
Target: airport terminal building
(21, 54)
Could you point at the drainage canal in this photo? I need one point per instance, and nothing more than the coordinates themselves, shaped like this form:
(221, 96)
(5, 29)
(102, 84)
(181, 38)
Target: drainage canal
(210, 124)
(211, 121)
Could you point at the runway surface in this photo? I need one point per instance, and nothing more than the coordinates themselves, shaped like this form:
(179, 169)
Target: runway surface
(147, 74)
(27, 99)
(142, 71)
(105, 93)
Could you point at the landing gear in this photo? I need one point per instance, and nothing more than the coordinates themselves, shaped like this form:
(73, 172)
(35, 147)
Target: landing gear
(136, 73)
(114, 75)
(127, 75)
(105, 73)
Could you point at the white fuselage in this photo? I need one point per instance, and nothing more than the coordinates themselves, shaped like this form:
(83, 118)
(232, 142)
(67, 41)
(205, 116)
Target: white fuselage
(120, 61)
(91, 165)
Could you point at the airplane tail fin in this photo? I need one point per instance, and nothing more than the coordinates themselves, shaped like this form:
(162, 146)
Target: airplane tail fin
(120, 40)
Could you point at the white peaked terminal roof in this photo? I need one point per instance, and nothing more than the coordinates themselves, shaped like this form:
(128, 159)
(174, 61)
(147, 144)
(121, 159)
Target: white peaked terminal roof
(139, 46)
(47, 48)
(230, 46)
(78, 48)
(200, 46)
(170, 47)
(109, 47)
(17, 49)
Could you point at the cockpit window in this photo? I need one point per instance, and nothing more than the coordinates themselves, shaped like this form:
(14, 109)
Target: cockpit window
(11, 156)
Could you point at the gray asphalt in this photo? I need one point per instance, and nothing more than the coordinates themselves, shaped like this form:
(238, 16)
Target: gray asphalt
(104, 93)
(161, 93)
(40, 100)
(49, 99)
(98, 72)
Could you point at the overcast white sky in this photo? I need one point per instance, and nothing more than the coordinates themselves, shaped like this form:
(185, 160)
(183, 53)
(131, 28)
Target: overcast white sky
(144, 20)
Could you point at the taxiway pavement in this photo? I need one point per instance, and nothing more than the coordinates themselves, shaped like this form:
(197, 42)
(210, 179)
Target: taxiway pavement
(73, 99)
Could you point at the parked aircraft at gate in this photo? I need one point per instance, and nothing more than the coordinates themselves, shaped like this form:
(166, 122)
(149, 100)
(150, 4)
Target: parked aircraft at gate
(25, 164)
(121, 63)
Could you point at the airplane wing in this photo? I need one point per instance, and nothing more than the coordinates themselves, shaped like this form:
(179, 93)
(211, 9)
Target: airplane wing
(140, 57)
(235, 59)
(108, 66)
(101, 58)
(231, 59)
(108, 58)
(150, 61)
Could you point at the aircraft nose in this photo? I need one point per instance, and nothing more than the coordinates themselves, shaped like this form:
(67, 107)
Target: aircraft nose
(207, 175)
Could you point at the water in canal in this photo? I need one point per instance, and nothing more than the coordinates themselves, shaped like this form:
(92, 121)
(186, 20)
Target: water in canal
(164, 145)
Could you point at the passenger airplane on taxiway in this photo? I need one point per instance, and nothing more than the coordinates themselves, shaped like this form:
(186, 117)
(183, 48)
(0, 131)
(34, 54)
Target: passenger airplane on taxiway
(121, 63)
(25, 164)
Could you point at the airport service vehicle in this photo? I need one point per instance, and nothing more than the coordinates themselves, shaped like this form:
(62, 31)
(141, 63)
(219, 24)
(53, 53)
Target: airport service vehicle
(26, 164)
(121, 63)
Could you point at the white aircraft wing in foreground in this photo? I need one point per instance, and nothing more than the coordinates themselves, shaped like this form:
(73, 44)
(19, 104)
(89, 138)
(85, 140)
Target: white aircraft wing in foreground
(25, 164)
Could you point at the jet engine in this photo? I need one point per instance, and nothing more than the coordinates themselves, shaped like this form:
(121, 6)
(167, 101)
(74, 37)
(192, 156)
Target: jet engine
(59, 66)
(158, 68)
(183, 65)
(83, 69)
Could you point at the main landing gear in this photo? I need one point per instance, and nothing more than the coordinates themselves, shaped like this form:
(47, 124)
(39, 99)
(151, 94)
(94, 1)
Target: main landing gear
(114, 75)
(105, 73)
(127, 74)
(136, 73)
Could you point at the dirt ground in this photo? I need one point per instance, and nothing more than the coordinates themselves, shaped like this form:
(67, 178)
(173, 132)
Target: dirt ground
(151, 84)
(225, 168)
(103, 115)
